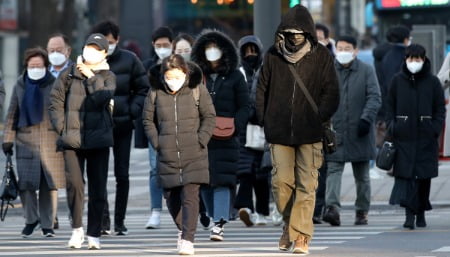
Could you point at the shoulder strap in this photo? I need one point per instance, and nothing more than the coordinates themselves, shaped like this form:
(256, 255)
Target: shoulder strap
(196, 95)
(304, 89)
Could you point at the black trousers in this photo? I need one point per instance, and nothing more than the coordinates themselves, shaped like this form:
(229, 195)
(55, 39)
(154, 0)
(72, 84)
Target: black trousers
(96, 161)
(320, 192)
(121, 150)
(183, 205)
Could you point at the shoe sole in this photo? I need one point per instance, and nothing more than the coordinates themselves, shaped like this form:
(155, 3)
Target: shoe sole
(186, 253)
(152, 227)
(216, 238)
(283, 248)
(331, 222)
(75, 246)
(121, 233)
(93, 248)
(245, 217)
(300, 251)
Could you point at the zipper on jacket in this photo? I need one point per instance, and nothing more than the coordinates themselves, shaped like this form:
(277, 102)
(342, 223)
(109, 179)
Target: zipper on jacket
(425, 117)
(292, 111)
(176, 140)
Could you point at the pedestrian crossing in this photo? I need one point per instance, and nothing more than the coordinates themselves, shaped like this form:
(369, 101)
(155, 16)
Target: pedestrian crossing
(238, 239)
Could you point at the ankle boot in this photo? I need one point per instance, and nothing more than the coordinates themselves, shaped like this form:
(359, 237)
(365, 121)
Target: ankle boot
(420, 220)
(409, 221)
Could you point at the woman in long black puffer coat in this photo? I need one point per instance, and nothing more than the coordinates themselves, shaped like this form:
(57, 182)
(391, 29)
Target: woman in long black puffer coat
(217, 56)
(415, 115)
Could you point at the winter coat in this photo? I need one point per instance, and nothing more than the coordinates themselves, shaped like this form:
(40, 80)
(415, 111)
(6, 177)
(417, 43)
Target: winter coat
(444, 77)
(230, 98)
(80, 109)
(281, 106)
(131, 86)
(390, 65)
(415, 116)
(248, 156)
(182, 130)
(360, 98)
(35, 145)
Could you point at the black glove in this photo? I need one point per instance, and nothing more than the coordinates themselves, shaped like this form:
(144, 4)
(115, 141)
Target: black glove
(363, 127)
(8, 148)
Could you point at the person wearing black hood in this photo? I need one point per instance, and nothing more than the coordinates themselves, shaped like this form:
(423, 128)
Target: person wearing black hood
(131, 90)
(249, 173)
(218, 58)
(415, 115)
(291, 125)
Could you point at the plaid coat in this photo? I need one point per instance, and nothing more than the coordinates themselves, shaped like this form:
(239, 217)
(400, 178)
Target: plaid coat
(35, 145)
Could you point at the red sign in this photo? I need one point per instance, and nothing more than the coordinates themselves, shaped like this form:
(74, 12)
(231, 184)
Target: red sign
(8, 14)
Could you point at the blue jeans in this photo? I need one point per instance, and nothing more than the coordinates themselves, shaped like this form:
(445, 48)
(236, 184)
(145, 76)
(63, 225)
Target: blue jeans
(217, 202)
(155, 189)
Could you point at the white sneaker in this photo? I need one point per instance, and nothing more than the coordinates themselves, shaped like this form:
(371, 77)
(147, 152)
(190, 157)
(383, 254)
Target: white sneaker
(186, 248)
(155, 220)
(277, 218)
(179, 239)
(77, 238)
(93, 243)
(260, 219)
(246, 216)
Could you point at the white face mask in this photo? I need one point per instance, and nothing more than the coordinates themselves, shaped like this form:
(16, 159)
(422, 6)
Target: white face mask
(163, 52)
(57, 58)
(111, 48)
(414, 67)
(92, 56)
(175, 84)
(36, 73)
(213, 54)
(344, 57)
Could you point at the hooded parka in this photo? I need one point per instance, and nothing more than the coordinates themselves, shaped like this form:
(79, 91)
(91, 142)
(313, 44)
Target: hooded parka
(415, 116)
(230, 97)
(182, 130)
(281, 106)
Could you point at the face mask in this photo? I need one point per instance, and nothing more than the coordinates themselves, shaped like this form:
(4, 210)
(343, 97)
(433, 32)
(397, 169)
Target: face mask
(163, 52)
(36, 73)
(92, 56)
(252, 60)
(111, 48)
(213, 54)
(414, 67)
(186, 56)
(57, 58)
(175, 84)
(344, 57)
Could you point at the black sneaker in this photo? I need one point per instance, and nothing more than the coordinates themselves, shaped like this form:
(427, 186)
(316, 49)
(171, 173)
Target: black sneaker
(47, 232)
(332, 216)
(216, 233)
(28, 229)
(121, 230)
(204, 220)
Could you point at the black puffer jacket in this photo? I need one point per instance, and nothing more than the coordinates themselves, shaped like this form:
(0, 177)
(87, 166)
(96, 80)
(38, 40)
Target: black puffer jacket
(79, 109)
(281, 106)
(182, 131)
(231, 99)
(132, 85)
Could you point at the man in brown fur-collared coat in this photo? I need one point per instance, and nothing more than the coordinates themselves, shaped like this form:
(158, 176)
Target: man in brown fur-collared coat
(27, 126)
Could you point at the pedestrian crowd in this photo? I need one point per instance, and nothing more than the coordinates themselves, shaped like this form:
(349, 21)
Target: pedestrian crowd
(212, 114)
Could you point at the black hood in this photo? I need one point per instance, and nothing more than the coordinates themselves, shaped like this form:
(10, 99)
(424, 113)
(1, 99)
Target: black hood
(381, 50)
(250, 39)
(194, 78)
(299, 18)
(426, 69)
(230, 57)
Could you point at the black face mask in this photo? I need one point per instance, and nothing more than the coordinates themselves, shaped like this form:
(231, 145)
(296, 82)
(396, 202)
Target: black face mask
(294, 41)
(251, 60)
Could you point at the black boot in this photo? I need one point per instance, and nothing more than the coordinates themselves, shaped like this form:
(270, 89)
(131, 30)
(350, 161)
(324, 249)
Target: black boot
(332, 216)
(420, 220)
(409, 222)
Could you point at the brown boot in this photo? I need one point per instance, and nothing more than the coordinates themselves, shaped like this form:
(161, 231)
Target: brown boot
(332, 216)
(285, 244)
(301, 245)
(361, 218)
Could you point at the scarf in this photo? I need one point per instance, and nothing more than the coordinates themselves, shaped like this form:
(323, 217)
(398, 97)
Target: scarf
(31, 111)
(292, 57)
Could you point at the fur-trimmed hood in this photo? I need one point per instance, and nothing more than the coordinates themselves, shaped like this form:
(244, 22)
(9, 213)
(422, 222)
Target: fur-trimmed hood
(193, 78)
(230, 57)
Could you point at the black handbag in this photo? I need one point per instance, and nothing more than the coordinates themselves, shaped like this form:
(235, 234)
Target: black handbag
(329, 134)
(8, 188)
(386, 156)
